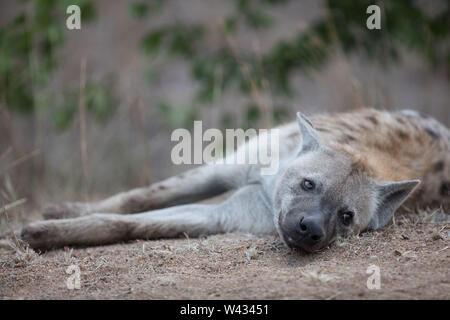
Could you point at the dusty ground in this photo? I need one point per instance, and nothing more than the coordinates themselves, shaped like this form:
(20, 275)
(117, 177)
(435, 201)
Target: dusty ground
(414, 260)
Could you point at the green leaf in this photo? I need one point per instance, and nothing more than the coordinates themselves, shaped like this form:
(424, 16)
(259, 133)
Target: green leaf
(230, 25)
(99, 101)
(152, 41)
(63, 117)
(138, 9)
(183, 39)
(252, 116)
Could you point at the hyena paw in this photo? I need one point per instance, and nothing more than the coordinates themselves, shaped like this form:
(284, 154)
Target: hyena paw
(38, 235)
(64, 210)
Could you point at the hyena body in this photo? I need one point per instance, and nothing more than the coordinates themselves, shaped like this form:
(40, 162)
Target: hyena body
(338, 174)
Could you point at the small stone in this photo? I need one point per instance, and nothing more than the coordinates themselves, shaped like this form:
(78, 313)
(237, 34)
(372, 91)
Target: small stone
(436, 236)
(251, 254)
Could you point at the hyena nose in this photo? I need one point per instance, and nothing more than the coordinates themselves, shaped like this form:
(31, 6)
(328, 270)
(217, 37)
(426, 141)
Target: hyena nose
(311, 228)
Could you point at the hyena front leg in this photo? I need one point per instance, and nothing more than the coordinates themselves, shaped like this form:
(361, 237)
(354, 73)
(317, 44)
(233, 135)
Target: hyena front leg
(244, 211)
(194, 185)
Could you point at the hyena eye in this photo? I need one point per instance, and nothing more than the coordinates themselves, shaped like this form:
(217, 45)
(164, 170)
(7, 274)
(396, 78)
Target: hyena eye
(307, 185)
(346, 218)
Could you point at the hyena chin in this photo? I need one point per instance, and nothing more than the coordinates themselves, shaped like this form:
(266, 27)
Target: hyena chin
(338, 174)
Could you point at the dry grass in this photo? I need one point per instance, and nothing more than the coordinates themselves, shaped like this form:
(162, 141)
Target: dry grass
(17, 254)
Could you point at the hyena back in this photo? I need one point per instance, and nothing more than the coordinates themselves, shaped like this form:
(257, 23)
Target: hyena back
(395, 146)
(339, 174)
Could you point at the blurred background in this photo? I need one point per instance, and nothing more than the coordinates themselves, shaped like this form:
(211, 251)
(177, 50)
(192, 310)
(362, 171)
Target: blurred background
(87, 113)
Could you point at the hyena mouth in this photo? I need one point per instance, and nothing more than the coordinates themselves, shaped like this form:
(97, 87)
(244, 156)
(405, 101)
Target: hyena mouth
(288, 241)
(296, 245)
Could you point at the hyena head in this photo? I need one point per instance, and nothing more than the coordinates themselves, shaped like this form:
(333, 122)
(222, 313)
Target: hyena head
(325, 193)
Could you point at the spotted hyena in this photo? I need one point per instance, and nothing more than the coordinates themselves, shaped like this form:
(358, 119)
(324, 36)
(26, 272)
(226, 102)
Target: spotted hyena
(338, 174)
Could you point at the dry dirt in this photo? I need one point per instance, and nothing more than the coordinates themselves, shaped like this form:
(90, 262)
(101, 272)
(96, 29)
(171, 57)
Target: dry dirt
(413, 258)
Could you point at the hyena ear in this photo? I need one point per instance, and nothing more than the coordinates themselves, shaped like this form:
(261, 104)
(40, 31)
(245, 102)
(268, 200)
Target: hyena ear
(310, 141)
(390, 196)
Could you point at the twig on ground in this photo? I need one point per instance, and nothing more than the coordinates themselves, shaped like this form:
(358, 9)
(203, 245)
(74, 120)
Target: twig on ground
(12, 205)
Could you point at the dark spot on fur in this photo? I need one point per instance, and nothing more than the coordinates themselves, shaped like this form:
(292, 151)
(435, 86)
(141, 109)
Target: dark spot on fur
(373, 119)
(364, 127)
(162, 187)
(401, 120)
(322, 129)
(350, 138)
(445, 189)
(380, 146)
(346, 125)
(433, 134)
(402, 134)
(438, 166)
(346, 139)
